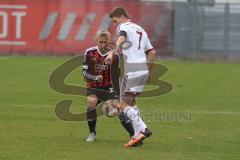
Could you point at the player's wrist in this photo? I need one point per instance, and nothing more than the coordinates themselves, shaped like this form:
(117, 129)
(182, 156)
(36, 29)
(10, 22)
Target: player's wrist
(99, 78)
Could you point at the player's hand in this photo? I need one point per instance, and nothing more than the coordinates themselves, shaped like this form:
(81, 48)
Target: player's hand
(108, 59)
(99, 78)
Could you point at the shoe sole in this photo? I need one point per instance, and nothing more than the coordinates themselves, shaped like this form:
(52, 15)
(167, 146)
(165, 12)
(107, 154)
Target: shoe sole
(138, 140)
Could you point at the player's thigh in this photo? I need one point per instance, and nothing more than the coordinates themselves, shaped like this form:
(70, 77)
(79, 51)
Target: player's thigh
(92, 100)
(134, 83)
(96, 95)
(127, 99)
(105, 93)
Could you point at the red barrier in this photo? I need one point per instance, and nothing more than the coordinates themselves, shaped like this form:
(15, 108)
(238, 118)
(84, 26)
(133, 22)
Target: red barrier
(69, 27)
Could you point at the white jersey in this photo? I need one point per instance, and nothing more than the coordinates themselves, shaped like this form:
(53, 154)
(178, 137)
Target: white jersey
(135, 60)
(139, 40)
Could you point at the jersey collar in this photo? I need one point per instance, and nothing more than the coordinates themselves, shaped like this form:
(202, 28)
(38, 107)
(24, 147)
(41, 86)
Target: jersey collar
(102, 54)
(128, 22)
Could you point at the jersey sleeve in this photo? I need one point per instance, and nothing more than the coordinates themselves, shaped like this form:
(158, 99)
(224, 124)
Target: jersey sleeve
(122, 30)
(148, 46)
(85, 60)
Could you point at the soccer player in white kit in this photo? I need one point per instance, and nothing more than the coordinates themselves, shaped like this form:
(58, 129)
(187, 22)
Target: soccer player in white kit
(138, 62)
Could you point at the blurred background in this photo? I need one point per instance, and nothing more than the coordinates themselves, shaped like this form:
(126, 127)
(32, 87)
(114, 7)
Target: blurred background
(197, 40)
(192, 29)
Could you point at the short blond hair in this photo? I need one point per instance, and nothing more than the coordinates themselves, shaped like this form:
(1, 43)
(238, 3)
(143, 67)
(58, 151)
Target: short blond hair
(103, 33)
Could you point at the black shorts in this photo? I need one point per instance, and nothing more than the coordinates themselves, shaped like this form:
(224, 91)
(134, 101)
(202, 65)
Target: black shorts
(103, 93)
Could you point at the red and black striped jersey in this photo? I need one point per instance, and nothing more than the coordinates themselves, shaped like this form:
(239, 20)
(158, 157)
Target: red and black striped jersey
(94, 65)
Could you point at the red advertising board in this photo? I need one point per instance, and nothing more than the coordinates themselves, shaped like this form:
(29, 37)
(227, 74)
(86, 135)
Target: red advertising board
(69, 26)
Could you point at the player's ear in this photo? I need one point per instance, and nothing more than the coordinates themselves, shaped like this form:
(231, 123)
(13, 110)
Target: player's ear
(122, 17)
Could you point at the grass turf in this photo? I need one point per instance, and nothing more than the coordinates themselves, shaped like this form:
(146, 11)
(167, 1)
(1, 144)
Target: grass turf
(30, 130)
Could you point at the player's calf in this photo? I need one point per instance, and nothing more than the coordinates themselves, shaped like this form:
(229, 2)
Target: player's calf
(126, 123)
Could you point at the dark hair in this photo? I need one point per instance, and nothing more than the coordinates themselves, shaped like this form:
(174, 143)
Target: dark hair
(118, 12)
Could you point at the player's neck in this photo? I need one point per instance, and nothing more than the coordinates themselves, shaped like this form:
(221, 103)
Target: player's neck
(102, 52)
(126, 20)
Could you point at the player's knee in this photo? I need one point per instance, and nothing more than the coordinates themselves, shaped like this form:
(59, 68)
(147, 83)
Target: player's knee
(123, 104)
(129, 100)
(92, 101)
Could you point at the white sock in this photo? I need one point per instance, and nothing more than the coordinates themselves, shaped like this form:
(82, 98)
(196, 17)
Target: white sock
(133, 114)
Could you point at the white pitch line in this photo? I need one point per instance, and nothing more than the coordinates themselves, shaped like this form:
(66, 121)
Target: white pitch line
(13, 43)
(9, 6)
(215, 112)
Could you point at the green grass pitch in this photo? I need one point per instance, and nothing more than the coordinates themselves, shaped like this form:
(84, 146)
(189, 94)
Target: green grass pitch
(29, 129)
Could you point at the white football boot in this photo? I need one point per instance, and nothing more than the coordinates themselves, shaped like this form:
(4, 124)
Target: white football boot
(91, 137)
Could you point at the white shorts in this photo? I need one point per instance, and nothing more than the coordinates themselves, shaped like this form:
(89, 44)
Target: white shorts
(134, 82)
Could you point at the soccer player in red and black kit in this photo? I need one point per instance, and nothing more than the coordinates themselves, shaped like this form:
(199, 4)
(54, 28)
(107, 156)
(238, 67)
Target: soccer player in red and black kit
(99, 83)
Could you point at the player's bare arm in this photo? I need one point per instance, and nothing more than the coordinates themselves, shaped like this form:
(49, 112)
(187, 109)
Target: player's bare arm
(151, 56)
(121, 39)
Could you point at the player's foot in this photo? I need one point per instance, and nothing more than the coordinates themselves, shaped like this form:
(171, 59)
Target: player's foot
(140, 143)
(91, 137)
(139, 138)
